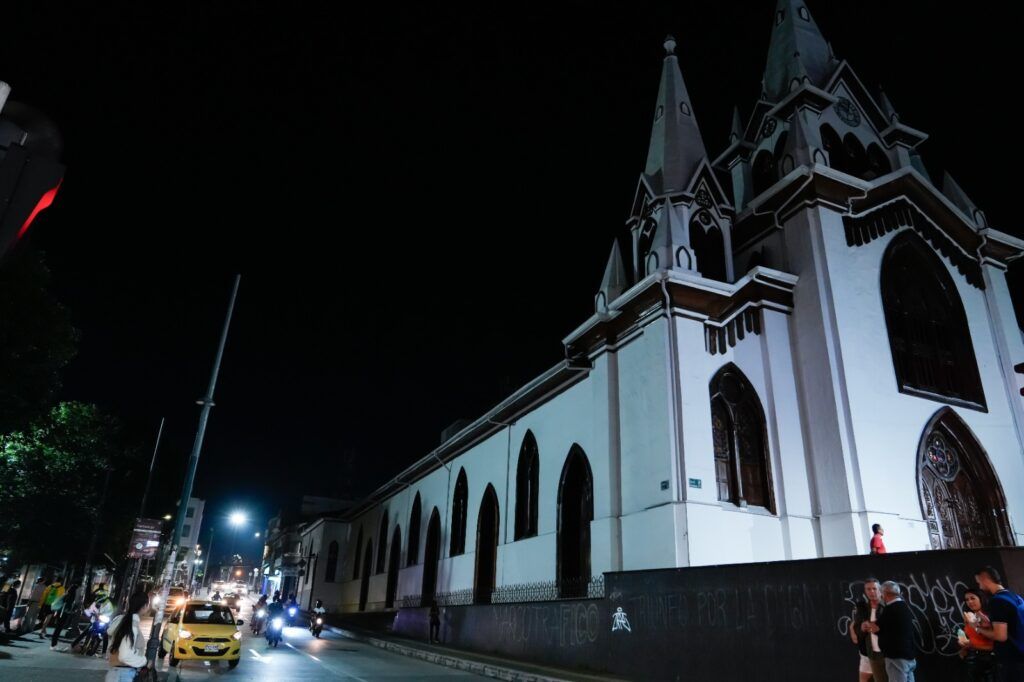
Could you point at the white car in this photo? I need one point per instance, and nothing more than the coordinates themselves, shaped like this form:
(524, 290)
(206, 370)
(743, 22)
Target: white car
(241, 588)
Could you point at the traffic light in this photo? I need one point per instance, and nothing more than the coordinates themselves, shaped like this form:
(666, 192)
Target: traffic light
(30, 170)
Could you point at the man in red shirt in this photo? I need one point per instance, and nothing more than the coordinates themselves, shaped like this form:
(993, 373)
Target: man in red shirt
(877, 546)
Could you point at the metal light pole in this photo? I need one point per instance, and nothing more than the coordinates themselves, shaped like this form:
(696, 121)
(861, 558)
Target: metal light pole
(142, 514)
(186, 489)
(209, 553)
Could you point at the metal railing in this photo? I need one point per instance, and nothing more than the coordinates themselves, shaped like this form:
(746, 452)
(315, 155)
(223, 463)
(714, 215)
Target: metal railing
(551, 590)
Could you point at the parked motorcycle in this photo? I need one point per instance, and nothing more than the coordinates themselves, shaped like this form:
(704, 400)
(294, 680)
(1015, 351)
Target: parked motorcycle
(274, 631)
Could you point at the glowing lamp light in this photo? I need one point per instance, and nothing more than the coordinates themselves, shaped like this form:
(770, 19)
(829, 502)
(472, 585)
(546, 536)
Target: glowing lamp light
(237, 518)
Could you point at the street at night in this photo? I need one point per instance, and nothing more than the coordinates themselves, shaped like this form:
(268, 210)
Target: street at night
(543, 341)
(299, 657)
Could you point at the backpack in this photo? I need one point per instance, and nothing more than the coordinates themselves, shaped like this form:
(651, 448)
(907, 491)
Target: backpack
(1015, 635)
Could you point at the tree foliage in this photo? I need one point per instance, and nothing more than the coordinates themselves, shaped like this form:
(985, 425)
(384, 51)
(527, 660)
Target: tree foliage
(36, 341)
(53, 474)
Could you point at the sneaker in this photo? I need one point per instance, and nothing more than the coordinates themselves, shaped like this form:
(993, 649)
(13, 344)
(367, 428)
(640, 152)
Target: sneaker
(53, 647)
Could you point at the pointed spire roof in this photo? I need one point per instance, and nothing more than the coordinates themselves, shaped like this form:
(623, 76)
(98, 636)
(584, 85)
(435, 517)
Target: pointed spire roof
(955, 193)
(797, 48)
(736, 132)
(614, 281)
(676, 145)
(888, 110)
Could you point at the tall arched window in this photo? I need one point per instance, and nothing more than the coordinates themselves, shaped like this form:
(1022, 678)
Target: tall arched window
(391, 586)
(930, 341)
(431, 555)
(359, 550)
(838, 157)
(364, 583)
(878, 162)
(332, 562)
(709, 246)
(962, 500)
(527, 490)
(742, 468)
(382, 542)
(414, 533)
(763, 172)
(487, 525)
(461, 499)
(575, 512)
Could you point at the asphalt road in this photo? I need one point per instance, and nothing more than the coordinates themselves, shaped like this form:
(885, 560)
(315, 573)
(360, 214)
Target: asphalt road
(299, 657)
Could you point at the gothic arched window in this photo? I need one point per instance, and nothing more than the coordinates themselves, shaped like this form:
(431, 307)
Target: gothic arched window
(932, 353)
(382, 542)
(838, 157)
(878, 162)
(332, 562)
(459, 502)
(527, 488)
(763, 172)
(414, 533)
(742, 468)
(709, 246)
(359, 550)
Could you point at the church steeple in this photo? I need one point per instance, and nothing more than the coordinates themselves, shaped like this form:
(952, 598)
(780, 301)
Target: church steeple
(797, 51)
(676, 145)
(614, 281)
(670, 248)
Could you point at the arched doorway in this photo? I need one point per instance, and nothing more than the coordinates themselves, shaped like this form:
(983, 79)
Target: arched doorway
(961, 498)
(575, 512)
(431, 555)
(486, 547)
(393, 565)
(364, 586)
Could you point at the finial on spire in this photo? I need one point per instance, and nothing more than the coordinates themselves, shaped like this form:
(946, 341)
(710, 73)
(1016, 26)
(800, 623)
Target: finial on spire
(736, 132)
(669, 45)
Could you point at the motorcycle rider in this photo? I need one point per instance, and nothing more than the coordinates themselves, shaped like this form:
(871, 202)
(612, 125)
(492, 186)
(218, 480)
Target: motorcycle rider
(257, 618)
(292, 609)
(274, 610)
(319, 613)
(103, 606)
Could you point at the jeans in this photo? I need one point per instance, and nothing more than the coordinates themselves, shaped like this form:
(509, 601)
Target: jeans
(900, 669)
(979, 666)
(120, 674)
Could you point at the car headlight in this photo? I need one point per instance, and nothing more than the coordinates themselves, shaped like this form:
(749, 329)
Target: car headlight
(184, 634)
(104, 619)
(237, 635)
(278, 622)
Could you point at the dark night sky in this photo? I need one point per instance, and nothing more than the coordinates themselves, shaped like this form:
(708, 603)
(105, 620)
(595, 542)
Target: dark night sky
(420, 200)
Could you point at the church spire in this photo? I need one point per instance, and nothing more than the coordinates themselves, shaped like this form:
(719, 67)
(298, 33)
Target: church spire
(736, 131)
(676, 145)
(614, 281)
(797, 50)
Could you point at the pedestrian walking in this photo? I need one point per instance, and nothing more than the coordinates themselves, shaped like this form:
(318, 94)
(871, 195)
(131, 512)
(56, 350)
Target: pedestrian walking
(9, 601)
(128, 648)
(1004, 625)
(867, 610)
(51, 594)
(435, 622)
(895, 630)
(877, 545)
(63, 608)
(35, 597)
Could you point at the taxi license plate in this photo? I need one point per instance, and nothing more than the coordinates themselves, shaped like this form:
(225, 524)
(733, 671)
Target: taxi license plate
(211, 648)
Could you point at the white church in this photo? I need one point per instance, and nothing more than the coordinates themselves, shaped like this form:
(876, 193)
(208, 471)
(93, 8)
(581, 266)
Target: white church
(774, 364)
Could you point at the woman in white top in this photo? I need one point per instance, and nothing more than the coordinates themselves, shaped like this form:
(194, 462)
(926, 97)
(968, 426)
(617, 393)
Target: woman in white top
(127, 647)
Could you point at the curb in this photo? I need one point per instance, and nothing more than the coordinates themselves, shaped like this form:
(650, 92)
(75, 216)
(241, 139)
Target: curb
(447, 660)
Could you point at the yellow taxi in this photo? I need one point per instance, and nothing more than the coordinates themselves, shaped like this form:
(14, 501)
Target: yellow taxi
(202, 630)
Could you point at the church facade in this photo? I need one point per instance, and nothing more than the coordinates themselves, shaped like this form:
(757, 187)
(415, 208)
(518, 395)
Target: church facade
(823, 341)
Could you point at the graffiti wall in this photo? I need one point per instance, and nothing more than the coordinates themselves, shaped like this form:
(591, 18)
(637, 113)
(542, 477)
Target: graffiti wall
(771, 621)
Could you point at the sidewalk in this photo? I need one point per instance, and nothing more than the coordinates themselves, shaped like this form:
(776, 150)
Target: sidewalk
(476, 663)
